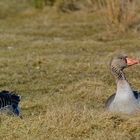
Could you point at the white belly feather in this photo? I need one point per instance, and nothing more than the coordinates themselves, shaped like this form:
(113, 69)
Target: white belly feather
(124, 100)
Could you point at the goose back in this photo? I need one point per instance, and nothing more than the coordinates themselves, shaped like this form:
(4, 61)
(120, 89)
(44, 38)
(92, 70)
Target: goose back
(9, 102)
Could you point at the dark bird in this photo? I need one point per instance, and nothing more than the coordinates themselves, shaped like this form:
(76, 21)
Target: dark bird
(9, 102)
(125, 100)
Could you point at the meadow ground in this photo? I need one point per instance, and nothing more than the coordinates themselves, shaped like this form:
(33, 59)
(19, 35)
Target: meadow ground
(59, 64)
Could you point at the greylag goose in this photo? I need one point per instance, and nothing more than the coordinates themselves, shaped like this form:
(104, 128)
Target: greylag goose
(9, 103)
(125, 100)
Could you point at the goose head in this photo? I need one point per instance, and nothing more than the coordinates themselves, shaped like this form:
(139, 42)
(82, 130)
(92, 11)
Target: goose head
(122, 61)
(119, 63)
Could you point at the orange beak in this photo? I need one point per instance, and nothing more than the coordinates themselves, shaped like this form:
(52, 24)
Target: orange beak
(131, 61)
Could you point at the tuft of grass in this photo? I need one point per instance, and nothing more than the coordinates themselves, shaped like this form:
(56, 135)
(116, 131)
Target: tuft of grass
(120, 14)
(39, 4)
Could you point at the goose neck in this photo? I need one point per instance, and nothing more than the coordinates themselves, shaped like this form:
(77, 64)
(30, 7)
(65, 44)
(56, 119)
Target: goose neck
(118, 73)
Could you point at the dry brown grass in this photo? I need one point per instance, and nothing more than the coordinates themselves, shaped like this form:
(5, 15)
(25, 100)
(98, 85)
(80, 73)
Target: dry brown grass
(120, 14)
(58, 63)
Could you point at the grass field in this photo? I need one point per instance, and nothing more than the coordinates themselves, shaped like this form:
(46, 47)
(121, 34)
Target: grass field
(59, 64)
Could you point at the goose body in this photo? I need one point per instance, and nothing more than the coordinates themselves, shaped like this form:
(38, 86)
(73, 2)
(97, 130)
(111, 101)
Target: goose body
(125, 100)
(9, 102)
